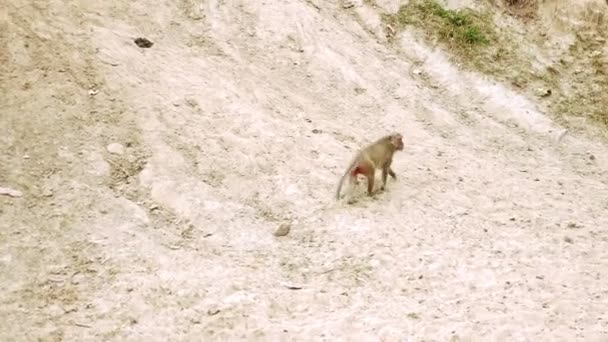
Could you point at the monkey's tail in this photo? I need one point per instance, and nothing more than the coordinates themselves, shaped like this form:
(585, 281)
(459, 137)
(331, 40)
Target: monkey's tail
(350, 168)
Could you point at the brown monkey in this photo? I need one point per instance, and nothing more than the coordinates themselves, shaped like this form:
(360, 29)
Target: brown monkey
(378, 155)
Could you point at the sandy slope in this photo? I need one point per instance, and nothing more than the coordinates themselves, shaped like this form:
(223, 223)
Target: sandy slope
(241, 117)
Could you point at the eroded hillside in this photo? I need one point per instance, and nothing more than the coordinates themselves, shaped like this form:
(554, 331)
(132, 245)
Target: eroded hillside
(149, 182)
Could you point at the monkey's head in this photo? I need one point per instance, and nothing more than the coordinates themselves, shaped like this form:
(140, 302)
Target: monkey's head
(397, 141)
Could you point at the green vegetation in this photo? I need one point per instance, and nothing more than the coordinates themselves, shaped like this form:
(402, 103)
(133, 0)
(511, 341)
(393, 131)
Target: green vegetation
(474, 41)
(464, 31)
(470, 36)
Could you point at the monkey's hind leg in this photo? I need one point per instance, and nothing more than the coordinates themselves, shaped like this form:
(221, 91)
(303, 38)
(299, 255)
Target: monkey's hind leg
(370, 175)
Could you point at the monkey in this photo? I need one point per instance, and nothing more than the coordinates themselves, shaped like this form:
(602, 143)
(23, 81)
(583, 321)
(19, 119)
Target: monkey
(377, 155)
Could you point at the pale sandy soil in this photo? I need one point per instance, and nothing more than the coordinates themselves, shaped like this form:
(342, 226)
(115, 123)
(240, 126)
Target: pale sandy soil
(242, 116)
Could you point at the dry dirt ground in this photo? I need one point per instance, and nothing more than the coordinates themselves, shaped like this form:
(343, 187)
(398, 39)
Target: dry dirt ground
(242, 116)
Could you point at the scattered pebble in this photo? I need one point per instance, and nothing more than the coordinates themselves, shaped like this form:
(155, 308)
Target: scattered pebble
(10, 192)
(213, 311)
(292, 286)
(543, 92)
(317, 131)
(47, 193)
(390, 31)
(348, 4)
(143, 42)
(568, 239)
(116, 148)
(282, 230)
(93, 92)
(573, 225)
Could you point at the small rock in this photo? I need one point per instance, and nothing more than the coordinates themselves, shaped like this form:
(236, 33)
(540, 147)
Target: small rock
(10, 192)
(417, 71)
(47, 193)
(93, 92)
(592, 157)
(116, 148)
(348, 4)
(282, 230)
(543, 92)
(77, 279)
(573, 225)
(213, 311)
(292, 286)
(568, 239)
(143, 42)
(317, 131)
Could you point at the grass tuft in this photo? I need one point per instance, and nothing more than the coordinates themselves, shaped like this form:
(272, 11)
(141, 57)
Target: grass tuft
(462, 29)
(476, 43)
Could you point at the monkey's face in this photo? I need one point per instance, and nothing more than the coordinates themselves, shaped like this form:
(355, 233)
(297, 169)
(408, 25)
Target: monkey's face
(397, 141)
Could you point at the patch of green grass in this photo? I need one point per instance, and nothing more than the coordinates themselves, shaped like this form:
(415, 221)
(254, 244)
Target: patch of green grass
(473, 39)
(470, 36)
(460, 29)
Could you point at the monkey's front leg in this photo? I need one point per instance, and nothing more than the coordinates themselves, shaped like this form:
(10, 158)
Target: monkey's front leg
(370, 183)
(385, 171)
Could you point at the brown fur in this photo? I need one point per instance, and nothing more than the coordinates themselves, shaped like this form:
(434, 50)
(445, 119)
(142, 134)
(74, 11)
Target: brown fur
(378, 155)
